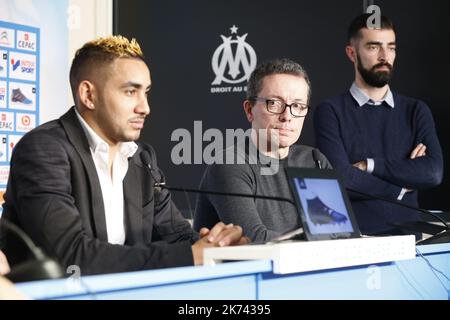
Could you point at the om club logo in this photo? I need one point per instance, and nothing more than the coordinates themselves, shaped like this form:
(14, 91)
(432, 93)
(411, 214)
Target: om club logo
(233, 61)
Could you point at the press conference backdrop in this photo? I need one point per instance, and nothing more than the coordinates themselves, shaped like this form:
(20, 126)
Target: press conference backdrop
(33, 75)
(201, 52)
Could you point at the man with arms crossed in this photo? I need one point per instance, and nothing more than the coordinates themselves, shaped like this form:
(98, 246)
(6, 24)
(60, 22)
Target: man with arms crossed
(384, 144)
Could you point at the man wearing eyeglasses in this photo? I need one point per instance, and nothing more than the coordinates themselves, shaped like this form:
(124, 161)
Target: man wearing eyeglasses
(384, 144)
(276, 106)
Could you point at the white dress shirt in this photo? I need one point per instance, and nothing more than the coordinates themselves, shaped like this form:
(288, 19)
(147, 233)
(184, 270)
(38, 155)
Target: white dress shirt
(112, 186)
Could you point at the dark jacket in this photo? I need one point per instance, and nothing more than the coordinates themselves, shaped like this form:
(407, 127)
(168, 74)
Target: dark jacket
(54, 195)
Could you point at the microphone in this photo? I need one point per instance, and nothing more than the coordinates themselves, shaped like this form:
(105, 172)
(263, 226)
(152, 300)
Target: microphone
(146, 160)
(316, 158)
(442, 231)
(40, 267)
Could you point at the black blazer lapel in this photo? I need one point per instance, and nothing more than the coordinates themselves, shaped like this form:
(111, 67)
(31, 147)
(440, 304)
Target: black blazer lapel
(133, 204)
(76, 136)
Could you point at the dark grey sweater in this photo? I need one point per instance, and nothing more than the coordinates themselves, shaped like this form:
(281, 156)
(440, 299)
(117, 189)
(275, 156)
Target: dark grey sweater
(262, 220)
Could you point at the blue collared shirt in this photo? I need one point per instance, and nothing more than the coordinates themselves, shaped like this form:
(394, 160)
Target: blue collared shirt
(362, 98)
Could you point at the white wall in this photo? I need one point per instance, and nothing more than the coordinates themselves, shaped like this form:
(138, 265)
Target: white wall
(87, 20)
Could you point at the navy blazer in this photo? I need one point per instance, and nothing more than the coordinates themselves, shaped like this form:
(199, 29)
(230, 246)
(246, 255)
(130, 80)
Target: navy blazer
(54, 194)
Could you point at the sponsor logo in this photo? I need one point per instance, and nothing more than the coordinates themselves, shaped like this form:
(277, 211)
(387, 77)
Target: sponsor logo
(6, 121)
(26, 41)
(22, 66)
(15, 65)
(6, 37)
(19, 98)
(22, 96)
(26, 66)
(25, 122)
(232, 62)
(4, 173)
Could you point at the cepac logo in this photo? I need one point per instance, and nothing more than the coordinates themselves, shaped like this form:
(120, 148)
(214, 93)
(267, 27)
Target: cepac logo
(232, 62)
(6, 121)
(26, 40)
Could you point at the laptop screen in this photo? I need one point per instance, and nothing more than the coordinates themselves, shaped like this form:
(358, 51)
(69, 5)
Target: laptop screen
(323, 204)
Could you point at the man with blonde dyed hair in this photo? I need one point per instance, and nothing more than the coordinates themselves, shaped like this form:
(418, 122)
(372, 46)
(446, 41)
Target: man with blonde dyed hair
(78, 185)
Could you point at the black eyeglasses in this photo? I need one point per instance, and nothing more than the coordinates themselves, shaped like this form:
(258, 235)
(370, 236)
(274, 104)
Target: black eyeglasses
(274, 106)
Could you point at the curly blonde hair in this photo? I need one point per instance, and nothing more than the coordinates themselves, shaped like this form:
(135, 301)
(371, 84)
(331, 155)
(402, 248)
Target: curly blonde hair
(99, 52)
(114, 46)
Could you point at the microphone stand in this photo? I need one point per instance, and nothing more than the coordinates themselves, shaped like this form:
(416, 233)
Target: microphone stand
(242, 195)
(442, 236)
(40, 268)
(401, 204)
(291, 235)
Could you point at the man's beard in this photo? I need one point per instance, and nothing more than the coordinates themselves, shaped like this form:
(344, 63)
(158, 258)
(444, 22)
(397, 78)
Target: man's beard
(374, 78)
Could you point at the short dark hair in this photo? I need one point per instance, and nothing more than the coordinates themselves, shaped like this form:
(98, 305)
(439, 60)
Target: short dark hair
(99, 52)
(276, 66)
(360, 22)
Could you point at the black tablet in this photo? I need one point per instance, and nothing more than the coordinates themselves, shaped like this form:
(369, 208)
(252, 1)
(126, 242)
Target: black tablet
(322, 204)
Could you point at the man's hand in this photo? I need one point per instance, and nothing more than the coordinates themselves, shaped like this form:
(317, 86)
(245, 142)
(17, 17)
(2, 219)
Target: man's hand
(4, 266)
(220, 235)
(419, 151)
(362, 165)
(9, 292)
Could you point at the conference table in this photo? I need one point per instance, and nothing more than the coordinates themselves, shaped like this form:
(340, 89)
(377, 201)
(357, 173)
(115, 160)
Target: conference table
(425, 277)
